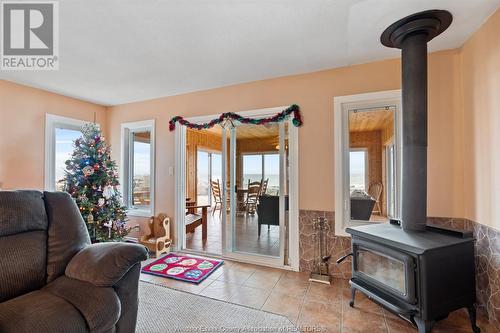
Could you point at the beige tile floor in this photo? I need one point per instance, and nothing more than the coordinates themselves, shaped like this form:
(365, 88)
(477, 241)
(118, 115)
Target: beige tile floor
(312, 306)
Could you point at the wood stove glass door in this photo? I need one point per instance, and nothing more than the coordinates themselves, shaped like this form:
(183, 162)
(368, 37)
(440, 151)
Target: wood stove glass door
(386, 269)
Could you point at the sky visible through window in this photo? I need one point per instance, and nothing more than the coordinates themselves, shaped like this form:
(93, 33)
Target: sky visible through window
(357, 170)
(64, 150)
(142, 158)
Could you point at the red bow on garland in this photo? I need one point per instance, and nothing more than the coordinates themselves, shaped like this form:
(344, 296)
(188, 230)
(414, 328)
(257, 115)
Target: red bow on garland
(281, 116)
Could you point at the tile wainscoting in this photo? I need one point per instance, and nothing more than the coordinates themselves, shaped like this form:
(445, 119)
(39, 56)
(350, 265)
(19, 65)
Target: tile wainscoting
(487, 264)
(487, 255)
(337, 245)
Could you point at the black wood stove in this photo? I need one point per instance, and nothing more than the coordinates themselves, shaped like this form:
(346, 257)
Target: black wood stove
(417, 271)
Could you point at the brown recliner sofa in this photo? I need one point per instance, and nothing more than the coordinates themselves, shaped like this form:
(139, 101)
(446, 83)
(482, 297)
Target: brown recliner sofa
(52, 279)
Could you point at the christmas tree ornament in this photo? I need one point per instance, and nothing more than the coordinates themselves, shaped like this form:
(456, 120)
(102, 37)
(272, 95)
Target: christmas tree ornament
(101, 202)
(109, 225)
(88, 171)
(107, 192)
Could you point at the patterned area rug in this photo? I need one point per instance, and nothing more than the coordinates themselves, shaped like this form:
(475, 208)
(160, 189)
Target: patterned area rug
(163, 310)
(183, 267)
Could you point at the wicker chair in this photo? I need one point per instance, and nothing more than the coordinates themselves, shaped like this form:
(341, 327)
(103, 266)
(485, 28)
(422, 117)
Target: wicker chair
(375, 190)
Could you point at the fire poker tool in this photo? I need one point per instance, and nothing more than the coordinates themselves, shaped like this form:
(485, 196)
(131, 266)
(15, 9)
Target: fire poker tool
(320, 272)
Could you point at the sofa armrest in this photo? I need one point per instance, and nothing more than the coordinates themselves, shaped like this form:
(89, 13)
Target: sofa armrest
(104, 264)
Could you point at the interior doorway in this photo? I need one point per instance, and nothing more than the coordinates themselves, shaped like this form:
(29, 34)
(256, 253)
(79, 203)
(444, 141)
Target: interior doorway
(246, 176)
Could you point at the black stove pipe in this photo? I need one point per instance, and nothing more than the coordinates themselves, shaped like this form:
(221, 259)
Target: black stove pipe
(411, 34)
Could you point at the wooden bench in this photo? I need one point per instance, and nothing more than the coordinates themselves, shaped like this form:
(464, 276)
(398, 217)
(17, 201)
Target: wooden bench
(194, 220)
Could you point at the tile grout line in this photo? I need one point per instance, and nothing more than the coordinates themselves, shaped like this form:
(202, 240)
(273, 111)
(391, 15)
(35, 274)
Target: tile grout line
(271, 290)
(302, 303)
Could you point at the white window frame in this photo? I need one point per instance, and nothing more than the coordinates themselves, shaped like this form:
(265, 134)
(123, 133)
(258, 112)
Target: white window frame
(341, 107)
(126, 159)
(51, 123)
(367, 167)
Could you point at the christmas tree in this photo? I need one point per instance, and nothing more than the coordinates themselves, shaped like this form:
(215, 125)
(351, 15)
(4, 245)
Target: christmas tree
(91, 178)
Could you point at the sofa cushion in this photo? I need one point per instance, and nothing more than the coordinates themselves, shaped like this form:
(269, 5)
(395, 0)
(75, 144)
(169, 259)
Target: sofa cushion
(22, 264)
(41, 312)
(67, 232)
(100, 306)
(21, 211)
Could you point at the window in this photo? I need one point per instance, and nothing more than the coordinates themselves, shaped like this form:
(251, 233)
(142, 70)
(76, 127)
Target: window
(391, 177)
(252, 168)
(138, 167)
(257, 167)
(272, 172)
(209, 167)
(60, 133)
(358, 167)
(203, 177)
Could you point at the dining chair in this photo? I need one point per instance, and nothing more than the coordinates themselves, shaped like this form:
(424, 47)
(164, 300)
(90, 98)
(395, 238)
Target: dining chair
(264, 187)
(217, 195)
(375, 190)
(253, 192)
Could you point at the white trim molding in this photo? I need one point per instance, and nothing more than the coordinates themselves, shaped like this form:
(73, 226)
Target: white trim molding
(341, 107)
(51, 123)
(126, 160)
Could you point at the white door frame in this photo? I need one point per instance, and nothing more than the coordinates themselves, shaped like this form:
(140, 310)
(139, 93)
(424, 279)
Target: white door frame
(342, 105)
(180, 187)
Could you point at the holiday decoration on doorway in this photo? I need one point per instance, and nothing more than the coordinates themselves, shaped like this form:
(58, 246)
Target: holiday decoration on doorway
(226, 119)
(91, 178)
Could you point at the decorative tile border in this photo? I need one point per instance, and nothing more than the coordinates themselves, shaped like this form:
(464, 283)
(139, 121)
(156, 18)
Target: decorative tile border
(487, 255)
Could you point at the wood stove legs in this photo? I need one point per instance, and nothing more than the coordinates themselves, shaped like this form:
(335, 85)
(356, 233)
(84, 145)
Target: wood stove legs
(353, 296)
(423, 326)
(472, 316)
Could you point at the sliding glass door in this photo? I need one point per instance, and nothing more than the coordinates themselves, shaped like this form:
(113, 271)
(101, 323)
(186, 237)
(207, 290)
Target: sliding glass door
(256, 218)
(257, 223)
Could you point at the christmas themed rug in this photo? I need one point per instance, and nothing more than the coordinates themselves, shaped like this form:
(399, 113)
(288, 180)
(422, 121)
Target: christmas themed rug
(183, 267)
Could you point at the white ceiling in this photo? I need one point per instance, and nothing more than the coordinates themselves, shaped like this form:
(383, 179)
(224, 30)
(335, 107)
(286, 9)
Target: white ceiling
(119, 51)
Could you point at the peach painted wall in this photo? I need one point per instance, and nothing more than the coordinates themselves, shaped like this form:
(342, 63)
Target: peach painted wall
(481, 99)
(314, 93)
(22, 131)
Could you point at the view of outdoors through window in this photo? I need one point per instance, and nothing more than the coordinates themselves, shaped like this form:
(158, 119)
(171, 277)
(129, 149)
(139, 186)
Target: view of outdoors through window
(203, 184)
(141, 164)
(209, 166)
(63, 150)
(357, 170)
(257, 167)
